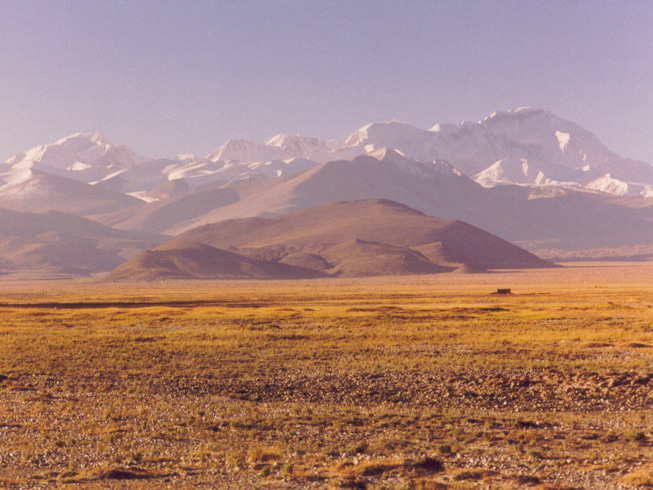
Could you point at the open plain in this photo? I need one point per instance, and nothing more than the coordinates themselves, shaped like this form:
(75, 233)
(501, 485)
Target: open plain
(422, 382)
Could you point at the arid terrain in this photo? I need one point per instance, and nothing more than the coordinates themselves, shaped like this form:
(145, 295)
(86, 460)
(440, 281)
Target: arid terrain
(412, 382)
(345, 239)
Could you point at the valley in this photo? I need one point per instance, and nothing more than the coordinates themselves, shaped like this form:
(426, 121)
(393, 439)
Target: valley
(412, 382)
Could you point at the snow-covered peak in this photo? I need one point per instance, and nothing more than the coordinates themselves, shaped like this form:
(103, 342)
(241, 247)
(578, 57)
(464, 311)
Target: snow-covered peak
(58, 153)
(297, 141)
(79, 151)
(607, 183)
(393, 134)
(86, 157)
(540, 136)
(83, 139)
(242, 150)
(15, 177)
(297, 145)
(520, 112)
(281, 147)
(386, 153)
(187, 157)
(437, 168)
(526, 146)
(563, 139)
(444, 128)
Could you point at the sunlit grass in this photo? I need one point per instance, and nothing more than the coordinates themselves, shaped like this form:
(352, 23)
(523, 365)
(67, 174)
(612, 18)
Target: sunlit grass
(352, 382)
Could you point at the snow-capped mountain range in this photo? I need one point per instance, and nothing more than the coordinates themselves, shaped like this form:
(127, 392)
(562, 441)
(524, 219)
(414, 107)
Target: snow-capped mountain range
(82, 205)
(526, 146)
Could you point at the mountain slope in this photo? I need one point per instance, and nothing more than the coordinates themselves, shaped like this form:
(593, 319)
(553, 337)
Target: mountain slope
(55, 244)
(45, 192)
(385, 174)
(188, 260)
(161, 216)
(537, 218)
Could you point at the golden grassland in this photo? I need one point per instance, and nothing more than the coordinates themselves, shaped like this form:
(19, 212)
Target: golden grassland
(404, 382)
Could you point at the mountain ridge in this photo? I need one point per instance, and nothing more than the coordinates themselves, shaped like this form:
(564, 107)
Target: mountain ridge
(555, 152)
(525, 175)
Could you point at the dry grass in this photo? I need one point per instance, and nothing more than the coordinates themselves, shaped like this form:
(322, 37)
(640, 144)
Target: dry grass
(380, 383)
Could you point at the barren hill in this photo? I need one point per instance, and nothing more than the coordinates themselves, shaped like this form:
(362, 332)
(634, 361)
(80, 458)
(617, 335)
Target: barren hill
(348, 239)
(188, 260)
(55, 244)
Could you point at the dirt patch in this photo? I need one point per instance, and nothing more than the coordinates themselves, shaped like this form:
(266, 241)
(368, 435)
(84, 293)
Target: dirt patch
(535, 390)
(118, 473)
(637, 345)
(596, 345)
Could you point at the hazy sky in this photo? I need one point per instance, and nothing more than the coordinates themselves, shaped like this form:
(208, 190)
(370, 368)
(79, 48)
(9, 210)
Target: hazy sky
(166, 77)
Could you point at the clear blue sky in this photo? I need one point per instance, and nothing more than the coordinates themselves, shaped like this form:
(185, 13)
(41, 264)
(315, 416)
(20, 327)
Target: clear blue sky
(167, 76)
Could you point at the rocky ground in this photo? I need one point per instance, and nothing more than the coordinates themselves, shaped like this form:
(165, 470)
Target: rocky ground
(363, 430)
(330, 389)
